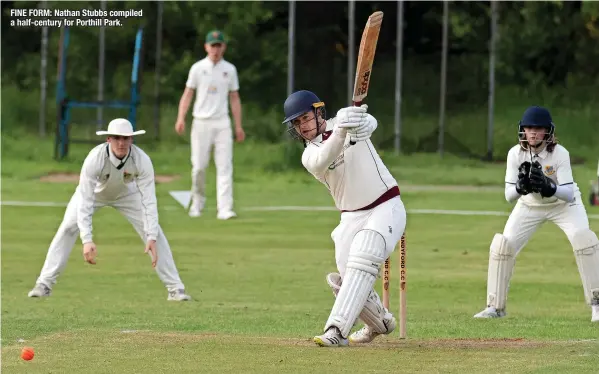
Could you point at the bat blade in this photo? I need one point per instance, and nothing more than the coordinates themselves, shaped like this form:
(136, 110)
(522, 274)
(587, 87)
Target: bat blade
(366, 53)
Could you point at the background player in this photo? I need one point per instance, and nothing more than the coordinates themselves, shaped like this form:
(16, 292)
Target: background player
(594, 197)
(373, 217)
(215, 83)
(118, 174)
(539, 176)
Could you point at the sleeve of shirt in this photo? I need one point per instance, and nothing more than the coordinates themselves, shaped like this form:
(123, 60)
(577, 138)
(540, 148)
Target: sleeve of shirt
(511, 194)
(88, 177)
(564, 169)
(511, 170)
(193, 77)
(234, 82)
(316, 159)
(147, 189)
(565, 192)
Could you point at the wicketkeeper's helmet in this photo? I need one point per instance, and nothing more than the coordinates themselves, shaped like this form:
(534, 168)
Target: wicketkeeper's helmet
(536, 116)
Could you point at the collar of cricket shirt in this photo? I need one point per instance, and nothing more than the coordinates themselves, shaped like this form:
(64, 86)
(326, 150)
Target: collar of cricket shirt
(543, 154)
(118, 163)
(211, 64)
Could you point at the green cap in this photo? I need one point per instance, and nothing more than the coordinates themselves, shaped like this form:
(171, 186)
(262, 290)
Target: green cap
(214, 37)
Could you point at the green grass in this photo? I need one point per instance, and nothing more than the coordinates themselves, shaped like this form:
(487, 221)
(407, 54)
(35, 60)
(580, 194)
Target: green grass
(258, 282)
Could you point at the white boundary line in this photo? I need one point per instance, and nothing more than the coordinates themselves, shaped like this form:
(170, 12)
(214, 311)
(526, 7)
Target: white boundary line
(297, 208)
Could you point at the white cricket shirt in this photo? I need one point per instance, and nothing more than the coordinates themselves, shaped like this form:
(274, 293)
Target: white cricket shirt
(212, 84)
(106, 179)
(354, 174)
(556, 165)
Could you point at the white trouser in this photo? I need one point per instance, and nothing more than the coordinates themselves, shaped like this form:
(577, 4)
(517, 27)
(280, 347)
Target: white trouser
(388, 219)
(206, 133)
(524, 220)
(68, 232)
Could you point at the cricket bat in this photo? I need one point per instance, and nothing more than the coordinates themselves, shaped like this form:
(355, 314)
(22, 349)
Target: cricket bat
(370, 37)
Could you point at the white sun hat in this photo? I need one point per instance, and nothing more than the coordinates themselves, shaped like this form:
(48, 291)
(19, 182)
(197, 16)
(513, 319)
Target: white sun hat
(120, 127)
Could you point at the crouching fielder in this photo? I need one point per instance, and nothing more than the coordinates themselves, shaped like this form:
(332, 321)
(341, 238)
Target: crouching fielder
(539, 176)
(118, 174)
(373, 217)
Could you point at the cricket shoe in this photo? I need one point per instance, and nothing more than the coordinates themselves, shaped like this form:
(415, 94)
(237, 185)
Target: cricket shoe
(40, 290)
(491, 312)
(178, 295)
(595, 315)
(195, 209)
(367, 333)
(331, 338)
(226, 215)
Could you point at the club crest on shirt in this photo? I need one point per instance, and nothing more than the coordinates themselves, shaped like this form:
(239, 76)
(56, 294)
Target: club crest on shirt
(549, 170)
(128, 177)
(225, 74)
(212, 89)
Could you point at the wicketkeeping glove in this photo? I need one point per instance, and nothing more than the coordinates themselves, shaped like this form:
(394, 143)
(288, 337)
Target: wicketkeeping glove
(541, 183)
(523, 185)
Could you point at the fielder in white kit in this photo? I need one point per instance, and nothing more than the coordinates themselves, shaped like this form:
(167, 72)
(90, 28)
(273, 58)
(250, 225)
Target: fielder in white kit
(215, 83)
(121, 175)
(539, 177)
(373, 216)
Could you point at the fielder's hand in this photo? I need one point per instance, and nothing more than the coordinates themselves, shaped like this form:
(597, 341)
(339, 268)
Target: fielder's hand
(180, 127)
(239, 134)
(151, 249)
(90, 252)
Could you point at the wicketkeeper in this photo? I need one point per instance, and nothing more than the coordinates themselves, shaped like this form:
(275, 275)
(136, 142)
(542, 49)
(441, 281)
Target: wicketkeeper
(539, 178)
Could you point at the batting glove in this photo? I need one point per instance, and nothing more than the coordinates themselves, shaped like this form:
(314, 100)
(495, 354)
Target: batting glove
(364, 130)
(351, 117)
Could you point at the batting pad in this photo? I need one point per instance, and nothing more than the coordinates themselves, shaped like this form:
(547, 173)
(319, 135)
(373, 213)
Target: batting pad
(501, 266)
(366, 255)
(586, 251)
(373, 312)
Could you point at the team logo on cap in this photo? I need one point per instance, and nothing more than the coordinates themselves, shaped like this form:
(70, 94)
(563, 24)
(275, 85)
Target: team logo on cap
(215, 34)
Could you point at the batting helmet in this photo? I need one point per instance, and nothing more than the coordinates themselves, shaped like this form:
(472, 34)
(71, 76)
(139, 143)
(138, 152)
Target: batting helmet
(299, 103)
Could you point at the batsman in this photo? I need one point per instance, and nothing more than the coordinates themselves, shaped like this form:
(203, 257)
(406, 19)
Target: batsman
(338, 152)
(539, 178)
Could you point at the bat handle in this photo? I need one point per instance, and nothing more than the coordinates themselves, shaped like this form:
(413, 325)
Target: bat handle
(355, 103)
